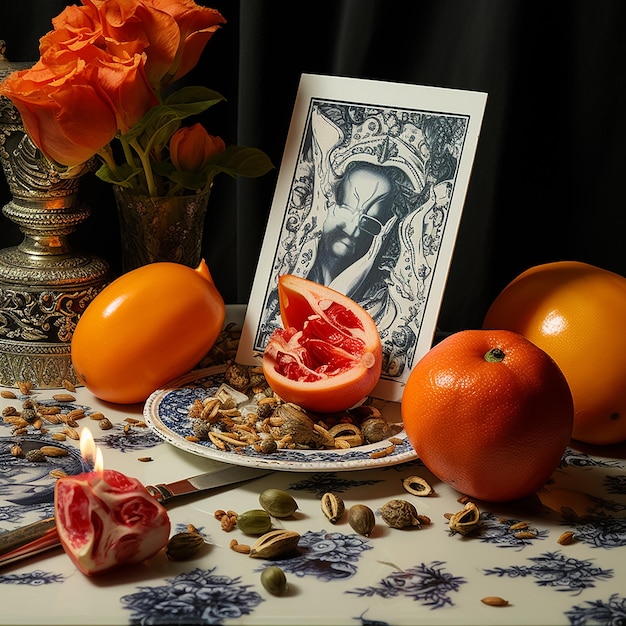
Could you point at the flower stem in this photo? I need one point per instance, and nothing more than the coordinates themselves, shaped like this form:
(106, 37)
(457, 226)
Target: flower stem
(107, 156)
(147, 169)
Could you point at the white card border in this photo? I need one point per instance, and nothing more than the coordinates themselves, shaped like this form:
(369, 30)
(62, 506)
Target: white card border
(367, 93)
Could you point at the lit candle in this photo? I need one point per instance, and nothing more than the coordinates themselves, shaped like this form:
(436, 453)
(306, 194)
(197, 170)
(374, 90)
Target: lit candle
(104, 518)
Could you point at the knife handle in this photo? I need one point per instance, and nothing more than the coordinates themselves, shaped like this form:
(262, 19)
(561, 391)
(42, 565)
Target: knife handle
(19, 537)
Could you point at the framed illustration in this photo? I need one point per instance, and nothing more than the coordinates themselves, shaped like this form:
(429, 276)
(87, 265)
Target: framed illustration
(368, 201)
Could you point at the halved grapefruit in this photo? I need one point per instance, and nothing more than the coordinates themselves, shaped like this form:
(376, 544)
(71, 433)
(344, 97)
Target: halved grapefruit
(328, 356)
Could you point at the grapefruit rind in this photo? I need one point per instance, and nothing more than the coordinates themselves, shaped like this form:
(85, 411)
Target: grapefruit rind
(329, 355)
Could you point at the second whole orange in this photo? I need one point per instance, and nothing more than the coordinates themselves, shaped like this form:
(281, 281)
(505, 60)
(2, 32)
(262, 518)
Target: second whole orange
(488, 413)
(576, 312)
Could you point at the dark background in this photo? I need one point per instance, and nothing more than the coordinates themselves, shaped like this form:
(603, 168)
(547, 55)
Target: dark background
(546, 183)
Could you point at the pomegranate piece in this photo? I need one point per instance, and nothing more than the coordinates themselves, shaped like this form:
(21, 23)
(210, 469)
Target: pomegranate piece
(108, 519)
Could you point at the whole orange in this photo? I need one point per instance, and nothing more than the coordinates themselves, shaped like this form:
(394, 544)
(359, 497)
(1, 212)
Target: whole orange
(489, 413)
(576, 312)
(328, 356)
(146, 328)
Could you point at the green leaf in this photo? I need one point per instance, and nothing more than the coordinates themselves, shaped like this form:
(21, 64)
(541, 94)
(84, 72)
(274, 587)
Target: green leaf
(124, 176)
(241, 161)
(194, 94)
(189, 180)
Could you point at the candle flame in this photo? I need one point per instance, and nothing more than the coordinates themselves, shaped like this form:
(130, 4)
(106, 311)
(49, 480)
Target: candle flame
(90, 452)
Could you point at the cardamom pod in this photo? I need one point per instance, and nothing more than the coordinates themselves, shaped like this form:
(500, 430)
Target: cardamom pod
(254, 522)
(332, 507)
(399, 514)
(361, 519)
(274, 544)
(274, 580)
(278, 503)
(183, 546)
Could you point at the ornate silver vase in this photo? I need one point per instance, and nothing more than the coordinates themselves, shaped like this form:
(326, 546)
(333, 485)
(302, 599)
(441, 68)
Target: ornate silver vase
(44, 284)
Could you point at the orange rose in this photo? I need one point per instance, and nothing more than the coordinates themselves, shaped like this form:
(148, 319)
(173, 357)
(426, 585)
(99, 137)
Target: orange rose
(63, 109)
(197, 25)
(138, 23)
(192, 147)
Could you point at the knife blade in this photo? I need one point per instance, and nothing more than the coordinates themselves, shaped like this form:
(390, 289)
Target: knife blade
(39, 536)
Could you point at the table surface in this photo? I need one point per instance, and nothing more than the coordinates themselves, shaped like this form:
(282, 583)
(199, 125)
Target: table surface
(427, 575)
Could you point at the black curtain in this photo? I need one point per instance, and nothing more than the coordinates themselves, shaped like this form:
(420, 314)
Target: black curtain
(546, 179)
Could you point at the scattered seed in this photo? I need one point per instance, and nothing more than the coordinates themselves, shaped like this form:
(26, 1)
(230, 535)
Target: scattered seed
(417, 486)
(72, 433)
(494, 601)
(145, 459)
(25, 387)
(35, 456)
(75, 414)
(525, 534)
(105, 424)
(63, 397)
(96, 415)
(53, 451)
(566, 538)
(57, 473)
(379, 454)
(5, 393)
(519, 526)
(184, 545)
(69, 385)
(242, 548)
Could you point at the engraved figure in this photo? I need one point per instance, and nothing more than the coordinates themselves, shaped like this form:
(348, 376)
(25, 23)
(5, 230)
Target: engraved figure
(366, 214)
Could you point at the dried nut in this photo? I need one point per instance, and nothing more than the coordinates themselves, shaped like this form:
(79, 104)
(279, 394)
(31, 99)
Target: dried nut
(268, 446)
(466, 520)
(494, 601)
(274, 544)
(254, 522)
(5, 393)
(237, 376)
(375, 429)
(400, 514)
(274, 580)
(361, 519)
(291, 420)
(417, 486)
(105, 423)
(36, 456)
(332, 507)
(16, 450)
(183, 546)
(278, 503)
(348, 433)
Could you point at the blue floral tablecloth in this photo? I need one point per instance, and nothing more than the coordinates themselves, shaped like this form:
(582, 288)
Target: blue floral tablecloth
(428, 575)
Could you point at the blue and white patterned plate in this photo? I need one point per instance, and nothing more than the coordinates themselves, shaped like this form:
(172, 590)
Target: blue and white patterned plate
(167, 412)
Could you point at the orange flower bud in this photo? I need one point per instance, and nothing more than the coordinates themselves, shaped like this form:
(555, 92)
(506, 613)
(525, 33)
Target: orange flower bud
(192, 147)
